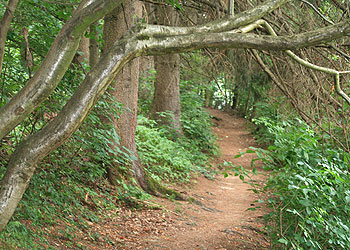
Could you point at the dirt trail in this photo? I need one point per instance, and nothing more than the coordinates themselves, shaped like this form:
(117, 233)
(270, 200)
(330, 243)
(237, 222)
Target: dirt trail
(222, 220)
(219, 218)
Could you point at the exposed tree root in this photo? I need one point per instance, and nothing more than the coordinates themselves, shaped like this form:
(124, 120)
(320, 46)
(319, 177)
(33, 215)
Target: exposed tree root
(157, 189)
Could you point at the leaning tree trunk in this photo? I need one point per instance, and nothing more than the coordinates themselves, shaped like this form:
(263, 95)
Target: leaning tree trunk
(54, 66)
(167, 84)
(125, 88)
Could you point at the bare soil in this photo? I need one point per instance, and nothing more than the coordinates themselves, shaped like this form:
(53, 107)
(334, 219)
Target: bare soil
(217, 219)
(221, 220)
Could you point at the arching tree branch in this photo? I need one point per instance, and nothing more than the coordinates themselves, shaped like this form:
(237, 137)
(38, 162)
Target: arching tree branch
(54, 66)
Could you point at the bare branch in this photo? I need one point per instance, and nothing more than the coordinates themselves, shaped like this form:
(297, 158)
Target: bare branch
(305, 63)
(231, 7)
(293, 101)
(318, 12)
(347, 57)
(221, 25)
(339, 5)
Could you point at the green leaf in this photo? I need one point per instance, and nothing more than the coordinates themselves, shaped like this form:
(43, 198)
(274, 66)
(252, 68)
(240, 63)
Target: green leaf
(283, 241)
(254, 171)
(249, 151)
(238, 155)
(347, 199)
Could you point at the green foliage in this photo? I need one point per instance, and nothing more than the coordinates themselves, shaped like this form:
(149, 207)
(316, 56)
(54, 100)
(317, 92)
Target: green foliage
(196, 122)
(52, 198)
(310, 193)
(146, 92)
(231, 169)
(175, 3)
(43, 22)
(167, 156)
(70, 186)
(267, 114)
(163, 158)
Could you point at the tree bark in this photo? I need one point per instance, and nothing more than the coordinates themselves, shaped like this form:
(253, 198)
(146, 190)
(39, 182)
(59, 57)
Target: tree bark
(231, 7)
(94, 50)
(167, 84)
(5, 26)
(83, 50)
(125, 88)
(189, 39)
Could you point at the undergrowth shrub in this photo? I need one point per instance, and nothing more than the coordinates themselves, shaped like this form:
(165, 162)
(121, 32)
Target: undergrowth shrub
(310, 188)
(163, 158)
(196, 122)
(69, 187)
(167, 155)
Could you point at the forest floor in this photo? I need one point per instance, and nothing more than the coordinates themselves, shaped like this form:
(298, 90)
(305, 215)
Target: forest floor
(217, 219)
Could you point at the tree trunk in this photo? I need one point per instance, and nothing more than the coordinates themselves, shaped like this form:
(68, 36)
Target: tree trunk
(208, 95)
(94, 51)
(83, 50)
(22, 163)
(167, 84)
(125, 87)
(167, 91)
(5, 26)
(234, 100)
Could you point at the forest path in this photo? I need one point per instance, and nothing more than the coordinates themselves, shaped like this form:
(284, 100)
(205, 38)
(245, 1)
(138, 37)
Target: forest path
(222, 220)
(218, 219)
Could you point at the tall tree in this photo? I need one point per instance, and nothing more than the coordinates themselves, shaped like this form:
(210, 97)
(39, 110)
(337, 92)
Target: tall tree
(125, 87)
(167, 83)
